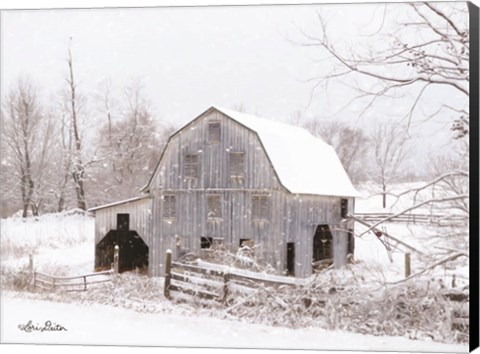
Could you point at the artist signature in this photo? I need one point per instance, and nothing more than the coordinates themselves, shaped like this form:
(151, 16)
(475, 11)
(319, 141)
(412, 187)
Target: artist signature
(48, 326)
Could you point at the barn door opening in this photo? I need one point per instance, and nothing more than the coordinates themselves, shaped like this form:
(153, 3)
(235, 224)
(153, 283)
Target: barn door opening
(290, 258)
(133, 255)
(322, 244)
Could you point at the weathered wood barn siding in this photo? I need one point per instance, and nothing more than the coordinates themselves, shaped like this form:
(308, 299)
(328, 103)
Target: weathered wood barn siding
(303, 214)
(140, 212)
(191, 222)
(291, 218)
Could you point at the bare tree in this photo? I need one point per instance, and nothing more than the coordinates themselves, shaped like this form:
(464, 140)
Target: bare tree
(77, 165)
(350, 143)
(451, 173)
(419, 50)
(130, 141)
(27, 133)
(63, 155)
(388, 141)
(428, 48)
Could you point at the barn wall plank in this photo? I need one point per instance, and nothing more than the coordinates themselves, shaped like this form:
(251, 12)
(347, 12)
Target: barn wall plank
(140, 219)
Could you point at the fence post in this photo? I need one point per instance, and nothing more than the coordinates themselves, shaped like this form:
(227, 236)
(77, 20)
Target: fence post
(407, 265)
(226, 280)
(168, 275)
(84, 283)
(454, 285)
(116, 256)
(31, 273)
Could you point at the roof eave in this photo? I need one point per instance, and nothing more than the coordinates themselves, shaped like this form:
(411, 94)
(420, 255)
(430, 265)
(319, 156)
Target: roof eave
(125, 201)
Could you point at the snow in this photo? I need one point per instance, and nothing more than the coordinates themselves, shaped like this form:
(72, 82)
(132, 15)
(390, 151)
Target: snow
(126, 201)
(369, 199)
(125, 327)
(424, 237)
(304, 164)
(62, 242)
(248, 273)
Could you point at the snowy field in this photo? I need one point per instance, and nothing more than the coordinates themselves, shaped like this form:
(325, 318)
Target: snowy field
(63, 244)
(127, 327)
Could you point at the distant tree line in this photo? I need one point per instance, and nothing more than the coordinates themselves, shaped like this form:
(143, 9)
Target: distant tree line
(75, 150)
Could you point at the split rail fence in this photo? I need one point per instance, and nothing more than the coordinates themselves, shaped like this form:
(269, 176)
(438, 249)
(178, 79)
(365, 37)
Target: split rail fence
(188, 282)
(414, 218)
(210, 284)
(77, 283)
(49, 282)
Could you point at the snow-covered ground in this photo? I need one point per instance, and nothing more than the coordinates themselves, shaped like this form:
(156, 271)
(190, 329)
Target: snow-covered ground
(118, 326)
(370, 200)
(63, 244)
(423, 237)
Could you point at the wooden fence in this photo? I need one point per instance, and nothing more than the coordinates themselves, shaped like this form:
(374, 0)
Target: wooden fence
(189, 282)
(210, 284)
(414, 218)
(77, 283)
(459, 310)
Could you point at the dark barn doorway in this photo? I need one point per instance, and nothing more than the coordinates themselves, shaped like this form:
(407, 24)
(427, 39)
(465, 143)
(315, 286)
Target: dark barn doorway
(133, 253)
(322, 244)
(291, 258)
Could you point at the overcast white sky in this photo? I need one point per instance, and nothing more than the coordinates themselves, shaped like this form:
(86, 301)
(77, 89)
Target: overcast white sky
(190, 58)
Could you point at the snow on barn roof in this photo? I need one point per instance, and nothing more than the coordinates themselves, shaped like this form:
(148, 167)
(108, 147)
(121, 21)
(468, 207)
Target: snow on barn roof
(126, 201)
(303, 163)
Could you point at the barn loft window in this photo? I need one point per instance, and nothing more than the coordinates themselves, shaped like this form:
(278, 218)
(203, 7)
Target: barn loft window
(169, 206)
(237, 165)
(190, 166)
(123, 221)
(214, 206)
(260, 209)
(214, 131)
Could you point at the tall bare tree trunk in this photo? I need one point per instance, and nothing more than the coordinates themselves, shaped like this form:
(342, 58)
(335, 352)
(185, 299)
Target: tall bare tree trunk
(78, 171)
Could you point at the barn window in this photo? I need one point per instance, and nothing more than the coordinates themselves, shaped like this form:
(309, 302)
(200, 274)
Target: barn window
(246, 242)
(246, 247)
(191, 166)
(260, 209)
(237, 164)
(214, 206)
(214, 131)
(169, 206)
(206, 242)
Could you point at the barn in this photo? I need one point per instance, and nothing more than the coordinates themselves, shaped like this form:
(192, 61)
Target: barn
(231, 178)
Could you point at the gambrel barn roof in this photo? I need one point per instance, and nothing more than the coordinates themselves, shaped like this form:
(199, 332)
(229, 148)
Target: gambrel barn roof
(303, 163)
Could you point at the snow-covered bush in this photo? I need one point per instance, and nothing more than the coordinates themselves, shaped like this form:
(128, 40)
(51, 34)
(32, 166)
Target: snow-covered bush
(221, 255)
(17, 279)
(415, 309)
